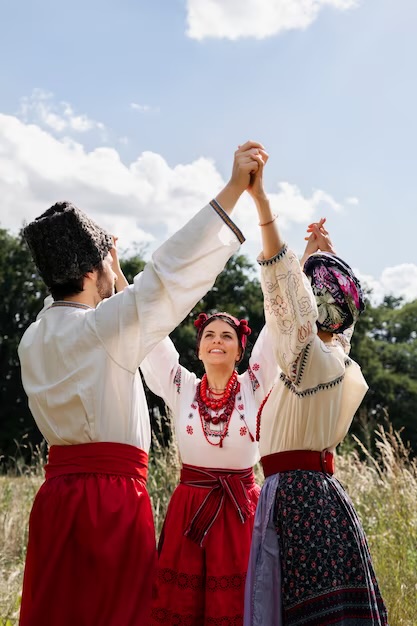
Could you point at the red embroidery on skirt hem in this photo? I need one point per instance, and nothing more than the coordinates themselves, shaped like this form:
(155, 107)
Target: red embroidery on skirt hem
(196, 581)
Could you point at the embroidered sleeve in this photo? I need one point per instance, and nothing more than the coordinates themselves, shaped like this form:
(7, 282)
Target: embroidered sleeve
(164, 375)
(262, 369)
(290, 310)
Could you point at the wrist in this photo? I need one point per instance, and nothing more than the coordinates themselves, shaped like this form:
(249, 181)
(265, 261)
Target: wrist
(268, 222)
(229, 195)
(262, 202)
(233, 187)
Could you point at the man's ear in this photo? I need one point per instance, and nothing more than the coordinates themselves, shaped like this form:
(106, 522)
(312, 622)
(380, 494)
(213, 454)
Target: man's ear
(90, 278)
(90, 275)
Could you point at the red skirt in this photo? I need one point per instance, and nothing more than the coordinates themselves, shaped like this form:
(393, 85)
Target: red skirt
(91, 553)
(204, 549)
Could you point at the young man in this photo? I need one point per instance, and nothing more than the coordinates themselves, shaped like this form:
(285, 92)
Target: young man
(91, 550)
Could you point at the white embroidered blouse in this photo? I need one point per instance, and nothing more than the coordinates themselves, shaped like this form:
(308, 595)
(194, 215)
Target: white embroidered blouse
(80, 365)
(177, 386)
(319, 388)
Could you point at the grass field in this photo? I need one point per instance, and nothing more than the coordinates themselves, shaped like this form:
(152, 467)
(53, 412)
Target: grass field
(384, 493)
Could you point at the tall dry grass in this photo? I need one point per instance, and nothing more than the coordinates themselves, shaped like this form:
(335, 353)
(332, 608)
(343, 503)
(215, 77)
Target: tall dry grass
(384, 491)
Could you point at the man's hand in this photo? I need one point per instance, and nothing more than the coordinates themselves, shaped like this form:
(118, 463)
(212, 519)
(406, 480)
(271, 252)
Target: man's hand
(256, 184)
(247, 159)
(246, 164)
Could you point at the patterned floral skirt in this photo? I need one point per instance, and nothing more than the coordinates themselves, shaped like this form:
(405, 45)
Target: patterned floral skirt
(326, 574)
(202, 586)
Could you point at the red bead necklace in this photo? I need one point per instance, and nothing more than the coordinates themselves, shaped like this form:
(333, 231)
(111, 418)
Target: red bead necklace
(259, 415)
(227, 403)
(215, 403)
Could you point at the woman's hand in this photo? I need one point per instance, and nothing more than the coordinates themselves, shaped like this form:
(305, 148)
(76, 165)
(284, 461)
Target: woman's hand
(245, 165)
(324, 243)
(256, 184)
(318, 239)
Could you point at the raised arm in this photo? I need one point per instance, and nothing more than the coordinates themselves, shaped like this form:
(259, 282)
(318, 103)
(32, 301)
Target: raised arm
(121, 281)
(181, 271)
(290, 307)
(271, 238)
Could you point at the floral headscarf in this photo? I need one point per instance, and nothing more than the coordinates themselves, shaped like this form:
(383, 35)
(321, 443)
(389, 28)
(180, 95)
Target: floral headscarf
(338, 293)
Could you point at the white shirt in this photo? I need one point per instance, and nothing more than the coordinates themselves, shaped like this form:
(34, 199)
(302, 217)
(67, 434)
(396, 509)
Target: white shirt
(80, 366)
(177, 386)
(320, 388)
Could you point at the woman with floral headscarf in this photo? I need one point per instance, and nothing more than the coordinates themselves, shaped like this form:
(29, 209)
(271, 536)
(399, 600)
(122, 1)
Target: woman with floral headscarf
(205, 542)
(310, 563)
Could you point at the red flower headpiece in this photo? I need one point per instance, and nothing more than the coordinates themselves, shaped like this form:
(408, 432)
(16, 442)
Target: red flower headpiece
(240, 326)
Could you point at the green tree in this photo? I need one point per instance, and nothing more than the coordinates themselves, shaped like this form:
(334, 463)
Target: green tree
(384, 342)
(385, 345)
(237, 291)
(132, 265)
(21, 296)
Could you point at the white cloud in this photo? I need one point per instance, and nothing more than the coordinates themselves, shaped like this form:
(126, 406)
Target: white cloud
(290, 205)
(143, 108)
(146, 199)
(233, 19)
(60, 117)
(352, 200)
(399, 281)
(143, 201)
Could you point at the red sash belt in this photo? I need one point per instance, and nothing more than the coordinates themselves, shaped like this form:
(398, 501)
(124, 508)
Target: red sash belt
(219, 484)
(97, 458)
(298, 460)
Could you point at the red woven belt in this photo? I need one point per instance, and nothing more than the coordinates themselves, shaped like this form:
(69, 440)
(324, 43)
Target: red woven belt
(220, 483)
(101, 457)
(298, 460)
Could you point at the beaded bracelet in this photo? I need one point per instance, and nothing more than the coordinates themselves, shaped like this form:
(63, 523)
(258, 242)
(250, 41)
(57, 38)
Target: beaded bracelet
(270, 221)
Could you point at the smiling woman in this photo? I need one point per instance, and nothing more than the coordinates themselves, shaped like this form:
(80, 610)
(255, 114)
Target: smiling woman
(219, 339)
(205, 541)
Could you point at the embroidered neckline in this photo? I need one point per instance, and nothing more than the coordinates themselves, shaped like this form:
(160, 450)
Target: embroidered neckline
(70, 303)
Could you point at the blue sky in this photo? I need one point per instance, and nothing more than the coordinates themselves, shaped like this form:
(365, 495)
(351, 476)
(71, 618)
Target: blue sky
(133, 111)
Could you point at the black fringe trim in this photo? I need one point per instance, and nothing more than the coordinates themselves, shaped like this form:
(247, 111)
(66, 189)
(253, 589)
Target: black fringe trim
(275, 258)
(303, 357)
(313, 390)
